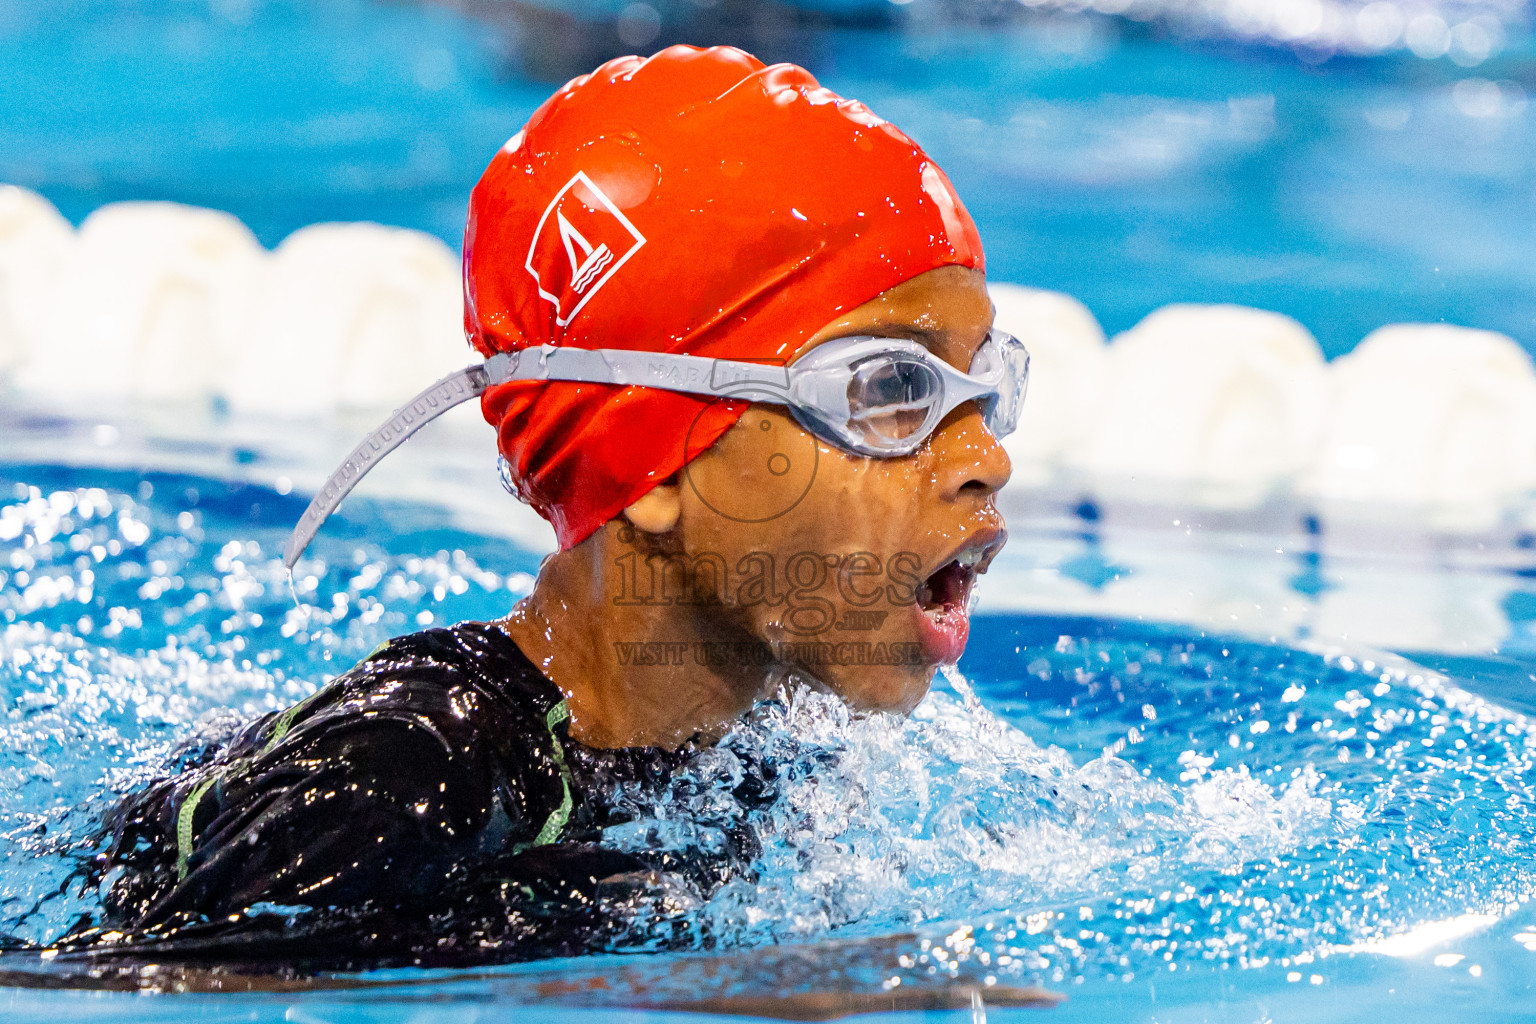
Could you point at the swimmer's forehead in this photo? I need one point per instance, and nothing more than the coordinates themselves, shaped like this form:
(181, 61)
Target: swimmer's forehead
(947, 310)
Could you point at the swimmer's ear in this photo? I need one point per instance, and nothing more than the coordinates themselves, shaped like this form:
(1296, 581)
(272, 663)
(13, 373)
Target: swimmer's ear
(658, 509)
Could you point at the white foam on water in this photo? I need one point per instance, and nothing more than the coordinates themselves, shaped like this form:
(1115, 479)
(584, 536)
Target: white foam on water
(885, 823)
(1110, 802)
(1263, 826)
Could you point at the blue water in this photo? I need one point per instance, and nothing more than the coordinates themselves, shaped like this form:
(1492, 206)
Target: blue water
(1105, 158)
(1159, 823)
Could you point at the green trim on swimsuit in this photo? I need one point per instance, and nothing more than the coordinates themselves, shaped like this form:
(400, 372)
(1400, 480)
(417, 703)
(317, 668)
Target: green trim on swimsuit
(553, 825)
(556, 822)
(188, 810)
(283, 723)
(184, 824)
(280, 727)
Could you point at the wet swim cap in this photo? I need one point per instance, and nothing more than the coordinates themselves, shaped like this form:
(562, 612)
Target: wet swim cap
(695, 202)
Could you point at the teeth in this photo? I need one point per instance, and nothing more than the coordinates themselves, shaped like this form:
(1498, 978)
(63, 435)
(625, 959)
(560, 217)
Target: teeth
(969, 557)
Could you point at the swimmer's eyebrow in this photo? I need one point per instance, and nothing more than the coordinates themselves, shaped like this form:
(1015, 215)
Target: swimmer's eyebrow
(934, 339)
(925, 336)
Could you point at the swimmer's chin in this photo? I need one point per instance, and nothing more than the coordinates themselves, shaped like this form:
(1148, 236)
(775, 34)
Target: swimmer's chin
(868, 693)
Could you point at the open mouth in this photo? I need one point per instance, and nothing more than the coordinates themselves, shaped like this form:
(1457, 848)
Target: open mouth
(945, 602)
(944, 599)
(948, 590)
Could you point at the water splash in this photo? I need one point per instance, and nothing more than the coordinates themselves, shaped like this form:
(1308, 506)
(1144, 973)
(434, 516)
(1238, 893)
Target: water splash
(1073, 806)
(883, 823)
(1365, 799)
(135, 634)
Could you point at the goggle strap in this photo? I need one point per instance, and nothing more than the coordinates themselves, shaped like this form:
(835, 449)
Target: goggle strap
(454, 389)
(696, 375)
(720, 378)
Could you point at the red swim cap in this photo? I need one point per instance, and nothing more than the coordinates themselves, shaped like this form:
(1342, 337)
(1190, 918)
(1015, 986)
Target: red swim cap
(694, 202)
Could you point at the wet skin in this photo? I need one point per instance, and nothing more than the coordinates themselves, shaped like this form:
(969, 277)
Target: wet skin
(766, 505)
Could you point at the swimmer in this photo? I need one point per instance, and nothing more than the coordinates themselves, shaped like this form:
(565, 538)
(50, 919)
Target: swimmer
(738, 350)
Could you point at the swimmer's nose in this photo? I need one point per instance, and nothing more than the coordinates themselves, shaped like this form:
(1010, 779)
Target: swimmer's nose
(969, 460)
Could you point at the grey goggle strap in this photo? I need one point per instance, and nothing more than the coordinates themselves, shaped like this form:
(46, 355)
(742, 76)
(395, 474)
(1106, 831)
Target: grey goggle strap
(454, 389)
(697, 375)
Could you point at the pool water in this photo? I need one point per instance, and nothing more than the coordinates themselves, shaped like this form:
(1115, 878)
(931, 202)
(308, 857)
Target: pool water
(1161, 822)
(1125, 163)
(1158, 822)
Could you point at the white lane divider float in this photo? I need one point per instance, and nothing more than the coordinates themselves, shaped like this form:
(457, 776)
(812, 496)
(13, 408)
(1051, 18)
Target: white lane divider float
(354, 316)
(1215, 406)
(1219, 405)
(35, 241)
(1430, 417)
(151, 302)
(1066, 378)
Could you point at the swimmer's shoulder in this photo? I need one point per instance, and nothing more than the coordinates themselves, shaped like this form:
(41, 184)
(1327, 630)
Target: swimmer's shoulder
(477, 661)
(455, 716)
(465, 683)
(476, 650)
(436, 747)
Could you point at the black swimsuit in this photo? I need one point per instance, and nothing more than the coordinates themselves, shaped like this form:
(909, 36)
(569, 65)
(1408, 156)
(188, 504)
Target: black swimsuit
(427, 807)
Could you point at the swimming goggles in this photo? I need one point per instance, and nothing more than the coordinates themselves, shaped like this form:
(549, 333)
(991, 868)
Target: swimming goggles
(880, 397)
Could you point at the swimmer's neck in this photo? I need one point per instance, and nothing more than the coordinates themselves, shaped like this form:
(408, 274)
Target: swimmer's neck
(629, 670)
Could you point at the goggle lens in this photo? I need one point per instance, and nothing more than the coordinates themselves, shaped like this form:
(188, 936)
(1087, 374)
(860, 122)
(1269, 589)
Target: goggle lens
(895, 399)
(892, 399)
(1005, 352)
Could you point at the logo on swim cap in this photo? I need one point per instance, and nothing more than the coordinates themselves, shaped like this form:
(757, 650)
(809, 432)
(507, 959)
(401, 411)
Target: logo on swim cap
(580, 242)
